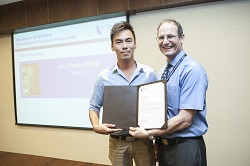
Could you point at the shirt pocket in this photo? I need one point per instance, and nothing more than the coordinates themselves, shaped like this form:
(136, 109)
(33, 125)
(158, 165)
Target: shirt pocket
(173, 95)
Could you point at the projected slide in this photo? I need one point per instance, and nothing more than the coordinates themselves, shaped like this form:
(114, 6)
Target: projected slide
(55, 71)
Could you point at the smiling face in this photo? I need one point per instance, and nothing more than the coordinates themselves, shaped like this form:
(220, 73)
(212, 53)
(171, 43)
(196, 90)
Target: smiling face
(124, 45)
(169, 42)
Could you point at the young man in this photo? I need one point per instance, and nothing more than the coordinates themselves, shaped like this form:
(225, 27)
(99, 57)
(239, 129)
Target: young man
(181, 143)
(123, 148)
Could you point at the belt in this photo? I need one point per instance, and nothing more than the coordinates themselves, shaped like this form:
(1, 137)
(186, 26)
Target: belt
(124, 137)
(176, 141)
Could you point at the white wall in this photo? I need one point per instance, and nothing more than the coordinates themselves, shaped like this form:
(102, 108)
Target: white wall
(217, 36)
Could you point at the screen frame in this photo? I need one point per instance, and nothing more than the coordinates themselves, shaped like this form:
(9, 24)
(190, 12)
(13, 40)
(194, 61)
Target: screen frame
(47, 26)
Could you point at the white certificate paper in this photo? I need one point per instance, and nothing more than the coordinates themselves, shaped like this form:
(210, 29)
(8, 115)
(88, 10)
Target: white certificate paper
(152, 105)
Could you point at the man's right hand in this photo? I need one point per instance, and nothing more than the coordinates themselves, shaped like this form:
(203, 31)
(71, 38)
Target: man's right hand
(105, 129)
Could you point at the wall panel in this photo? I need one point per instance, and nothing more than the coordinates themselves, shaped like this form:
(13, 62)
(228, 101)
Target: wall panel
(90, 8)
(60, 10)
(2, 18)
(111, 6)
(15, 16)
(36, 12)
(29, 13)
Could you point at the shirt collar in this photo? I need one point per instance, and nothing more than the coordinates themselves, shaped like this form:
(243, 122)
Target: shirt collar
(139, 67)
(177, 58)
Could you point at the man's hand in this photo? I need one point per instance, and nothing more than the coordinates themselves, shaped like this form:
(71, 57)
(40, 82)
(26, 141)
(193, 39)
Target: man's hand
(138, 132)
(105, 129)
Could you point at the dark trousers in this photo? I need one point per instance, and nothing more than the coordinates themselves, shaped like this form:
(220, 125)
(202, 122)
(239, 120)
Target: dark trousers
(191, 152)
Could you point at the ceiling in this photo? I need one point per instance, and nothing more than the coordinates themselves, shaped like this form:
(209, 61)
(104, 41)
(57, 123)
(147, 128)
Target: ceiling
(4, 2)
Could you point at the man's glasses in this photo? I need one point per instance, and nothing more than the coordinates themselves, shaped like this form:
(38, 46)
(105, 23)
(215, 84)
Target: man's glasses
(169, 37)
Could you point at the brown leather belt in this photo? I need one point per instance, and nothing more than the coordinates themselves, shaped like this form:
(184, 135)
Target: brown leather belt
(176, 141)
(124, 137)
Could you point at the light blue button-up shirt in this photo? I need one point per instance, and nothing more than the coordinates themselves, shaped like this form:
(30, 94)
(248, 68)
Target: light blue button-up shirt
(186, 89)
(114, 76)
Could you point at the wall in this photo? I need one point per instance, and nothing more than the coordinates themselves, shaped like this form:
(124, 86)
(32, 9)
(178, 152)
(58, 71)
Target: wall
(216, 36)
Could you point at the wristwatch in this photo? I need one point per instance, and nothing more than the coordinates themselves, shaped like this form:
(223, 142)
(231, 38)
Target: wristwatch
(150, 136)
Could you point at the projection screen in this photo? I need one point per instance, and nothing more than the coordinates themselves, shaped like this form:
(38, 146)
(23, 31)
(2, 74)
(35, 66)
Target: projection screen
(55, 68)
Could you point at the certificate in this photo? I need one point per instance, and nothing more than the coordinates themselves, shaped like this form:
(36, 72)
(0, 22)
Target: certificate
(132, 106)
(152, 105)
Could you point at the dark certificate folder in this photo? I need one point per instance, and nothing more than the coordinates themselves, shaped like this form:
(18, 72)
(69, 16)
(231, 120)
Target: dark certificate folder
(131, 106)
